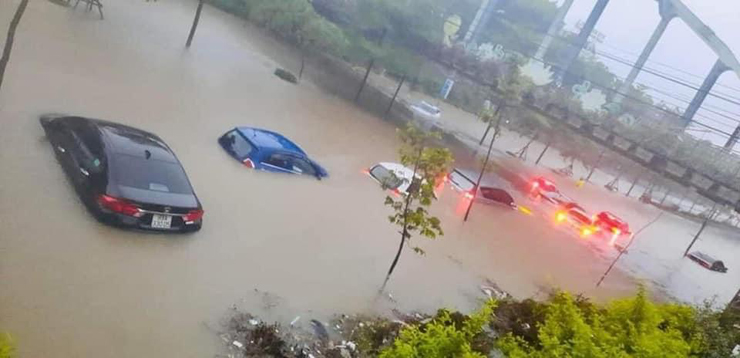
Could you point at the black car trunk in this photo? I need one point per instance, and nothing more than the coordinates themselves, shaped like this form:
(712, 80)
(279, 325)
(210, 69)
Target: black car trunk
(156, 201)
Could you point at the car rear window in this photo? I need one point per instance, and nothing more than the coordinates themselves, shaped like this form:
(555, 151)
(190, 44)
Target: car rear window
(429, 108)
(386, 177)
(240, 146)
(498, 195)
(150, 174)
(580, 217)
(461, 181)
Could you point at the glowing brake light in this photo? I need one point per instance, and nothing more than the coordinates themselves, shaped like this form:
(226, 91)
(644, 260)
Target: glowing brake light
(248, 163)
(120, 206)
(192, 216)
(616, 231)
(535, 185)
(587, 231)
(366, 171)
(396, 192)
(468, 195)
(560, 217)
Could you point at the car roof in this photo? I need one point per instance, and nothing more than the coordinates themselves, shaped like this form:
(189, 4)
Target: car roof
(127, 140)
(488, 180)
(268, 139)
(399, 170)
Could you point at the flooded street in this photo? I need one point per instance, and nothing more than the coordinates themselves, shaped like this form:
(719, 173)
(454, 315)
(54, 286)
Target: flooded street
(71, 287)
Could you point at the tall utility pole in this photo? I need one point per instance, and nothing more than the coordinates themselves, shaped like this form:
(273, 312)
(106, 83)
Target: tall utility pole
(666, 15)
(480, 20)
(552, 32)
(717, 70)
(575, 48)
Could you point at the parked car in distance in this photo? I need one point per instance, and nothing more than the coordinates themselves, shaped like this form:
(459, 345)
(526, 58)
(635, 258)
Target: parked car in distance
(393, 176)
(489, 192)
(708, 261)
(125, 176)
(269, 151)
(575, 216)
(426, 111)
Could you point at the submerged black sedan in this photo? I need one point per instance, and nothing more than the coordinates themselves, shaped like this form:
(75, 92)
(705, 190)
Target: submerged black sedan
(124, 176)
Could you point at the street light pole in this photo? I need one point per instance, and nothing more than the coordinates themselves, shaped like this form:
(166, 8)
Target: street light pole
(483, 170)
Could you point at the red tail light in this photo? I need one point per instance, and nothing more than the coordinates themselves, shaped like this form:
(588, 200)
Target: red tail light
(366, 171)
(468, 195)
(193, 215)
(120, 206)
(396, 192)
(535, 185)
(248, 163)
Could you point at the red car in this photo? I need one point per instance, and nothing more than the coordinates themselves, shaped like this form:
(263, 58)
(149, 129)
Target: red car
(576, 217)
(609, 225)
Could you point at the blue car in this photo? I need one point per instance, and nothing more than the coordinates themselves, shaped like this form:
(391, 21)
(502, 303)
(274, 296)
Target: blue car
(266, 150)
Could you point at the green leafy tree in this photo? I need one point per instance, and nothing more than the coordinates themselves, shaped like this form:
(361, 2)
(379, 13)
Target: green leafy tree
(410, 211)
(443, 337)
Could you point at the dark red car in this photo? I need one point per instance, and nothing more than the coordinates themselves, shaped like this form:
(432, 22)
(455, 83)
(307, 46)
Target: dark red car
(610, 223)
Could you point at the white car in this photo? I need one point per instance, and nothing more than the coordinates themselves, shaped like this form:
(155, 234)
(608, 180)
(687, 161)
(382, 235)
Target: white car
(392, 176)
(426, 111)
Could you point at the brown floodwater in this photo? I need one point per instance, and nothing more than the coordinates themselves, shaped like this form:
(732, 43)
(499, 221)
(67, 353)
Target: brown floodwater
(71, 287)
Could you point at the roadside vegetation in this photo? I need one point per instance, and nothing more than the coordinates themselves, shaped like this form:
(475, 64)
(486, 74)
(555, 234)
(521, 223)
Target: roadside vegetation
(7, 349)
(563, 325)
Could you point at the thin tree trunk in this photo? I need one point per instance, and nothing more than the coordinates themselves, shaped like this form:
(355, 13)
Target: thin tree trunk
(11, 36)
(405, 231)
(195, 23)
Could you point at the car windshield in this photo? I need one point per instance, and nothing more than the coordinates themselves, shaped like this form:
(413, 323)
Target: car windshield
(386, 177)
(580, 217)
(461, 181)
(149, 174)
(429, 108)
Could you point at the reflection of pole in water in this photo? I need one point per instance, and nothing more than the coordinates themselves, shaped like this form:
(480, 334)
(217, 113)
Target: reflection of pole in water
(593, 169)
(622, 251)
(637, 179)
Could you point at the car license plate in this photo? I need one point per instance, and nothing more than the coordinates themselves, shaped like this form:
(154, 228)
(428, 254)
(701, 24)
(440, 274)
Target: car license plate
(161, 221)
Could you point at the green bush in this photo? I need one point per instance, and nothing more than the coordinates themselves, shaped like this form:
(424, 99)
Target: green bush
(6, 346)
(632, 327)
(446, 335)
